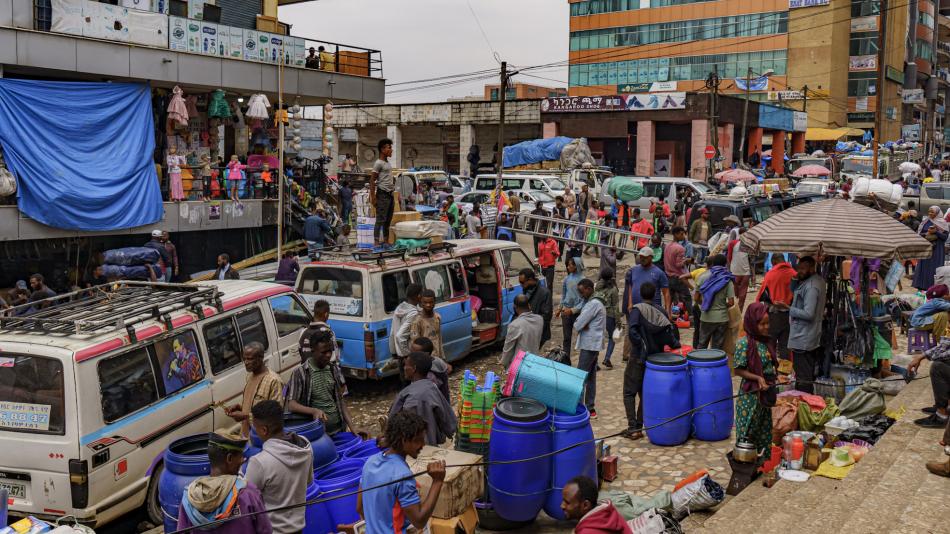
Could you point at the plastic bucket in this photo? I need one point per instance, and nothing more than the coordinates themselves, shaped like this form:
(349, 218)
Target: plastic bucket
(317, 516)
(324, 450)
(340, 478)
(553, 384)
(344, 441)
(363, 450)
(185, 460)
(581, 460)
(521, 430)
(711, 381)
(666, 395)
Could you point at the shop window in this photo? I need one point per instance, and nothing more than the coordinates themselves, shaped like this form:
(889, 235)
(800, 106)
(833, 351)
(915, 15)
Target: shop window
(127, 384)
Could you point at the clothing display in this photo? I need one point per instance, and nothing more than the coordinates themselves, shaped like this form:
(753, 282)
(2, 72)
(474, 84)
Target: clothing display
(175, 162)
(257, 107)
(191, 104)
(218, 108)
(177, 109)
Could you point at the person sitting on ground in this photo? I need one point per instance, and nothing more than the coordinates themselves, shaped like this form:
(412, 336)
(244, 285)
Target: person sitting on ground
(423, 398)
(316, 387)
(524, 332)
(390, 499)
(939, 357)
(932, 316)
(942, 468)
(579, 503)
(439, 373)
(224, 494)
(282, 470)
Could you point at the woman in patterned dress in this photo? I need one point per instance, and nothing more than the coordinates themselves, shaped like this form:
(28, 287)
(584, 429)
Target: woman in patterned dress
(755, 363)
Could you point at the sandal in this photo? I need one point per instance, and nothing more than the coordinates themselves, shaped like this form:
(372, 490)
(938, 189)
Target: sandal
(632, 434)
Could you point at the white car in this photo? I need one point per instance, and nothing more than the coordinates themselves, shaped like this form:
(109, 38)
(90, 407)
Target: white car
(528, 199)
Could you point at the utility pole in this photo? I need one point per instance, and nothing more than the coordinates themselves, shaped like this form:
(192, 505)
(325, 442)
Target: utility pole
(745, 115)
(879, 90)
(280, 154)
(805, 99)
(503, 96)
(712, 83)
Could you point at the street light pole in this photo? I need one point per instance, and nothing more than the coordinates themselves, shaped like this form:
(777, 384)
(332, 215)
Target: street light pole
(745, 115)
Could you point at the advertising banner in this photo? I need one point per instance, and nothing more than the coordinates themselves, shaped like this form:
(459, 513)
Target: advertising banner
(178, 34)
(861, 63)
(209, 38)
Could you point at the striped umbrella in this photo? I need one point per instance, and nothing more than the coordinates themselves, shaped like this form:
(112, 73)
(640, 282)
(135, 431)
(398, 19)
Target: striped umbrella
(836, 227)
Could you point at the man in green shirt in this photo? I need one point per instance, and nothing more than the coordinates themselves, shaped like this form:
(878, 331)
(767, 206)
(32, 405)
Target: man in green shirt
(716, 293)
(316, 388)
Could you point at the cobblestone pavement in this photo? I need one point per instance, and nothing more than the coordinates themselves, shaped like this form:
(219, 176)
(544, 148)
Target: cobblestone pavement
(644, 468)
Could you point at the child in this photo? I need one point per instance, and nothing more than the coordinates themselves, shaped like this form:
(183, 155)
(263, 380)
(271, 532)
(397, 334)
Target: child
(268, 182)
(234, 175)
(206, 177)
(427, 323)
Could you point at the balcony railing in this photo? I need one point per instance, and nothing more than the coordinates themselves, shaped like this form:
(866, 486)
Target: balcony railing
(205, 38)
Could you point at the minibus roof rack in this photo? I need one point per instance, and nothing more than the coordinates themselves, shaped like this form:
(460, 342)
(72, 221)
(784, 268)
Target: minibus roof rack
(113, 306)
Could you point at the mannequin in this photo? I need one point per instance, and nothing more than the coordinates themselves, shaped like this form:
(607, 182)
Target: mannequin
(174, 161)
(234, 175)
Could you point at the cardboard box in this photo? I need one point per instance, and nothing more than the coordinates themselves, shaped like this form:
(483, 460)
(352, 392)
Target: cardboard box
(463, 485)
(465, 522)
(401, 216)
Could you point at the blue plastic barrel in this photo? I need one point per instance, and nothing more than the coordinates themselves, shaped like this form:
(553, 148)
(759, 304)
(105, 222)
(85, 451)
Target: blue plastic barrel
(521, 430)
(324, 451)
(711, 380)
(666, 394)
(317, 516)
(344, 441)
(581, 460)
(185, 460)
(364, 450)
(340, 478)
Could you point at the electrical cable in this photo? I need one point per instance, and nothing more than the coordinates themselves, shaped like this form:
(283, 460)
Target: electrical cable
(319, 500)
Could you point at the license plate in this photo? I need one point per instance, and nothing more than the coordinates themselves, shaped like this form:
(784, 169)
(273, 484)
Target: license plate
(16, 491)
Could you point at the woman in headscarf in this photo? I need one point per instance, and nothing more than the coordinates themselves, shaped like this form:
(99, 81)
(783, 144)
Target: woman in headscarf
(934, 229)
(755, 363)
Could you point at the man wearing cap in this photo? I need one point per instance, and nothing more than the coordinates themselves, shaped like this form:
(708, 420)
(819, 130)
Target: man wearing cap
(641, 274)
(157, 244)
(699, 233)
(224, 494)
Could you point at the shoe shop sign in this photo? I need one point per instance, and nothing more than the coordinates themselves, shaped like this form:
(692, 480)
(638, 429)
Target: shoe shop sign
(637, 102)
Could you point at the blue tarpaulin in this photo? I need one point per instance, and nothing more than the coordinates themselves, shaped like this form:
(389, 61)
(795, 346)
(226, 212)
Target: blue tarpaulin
(82, 152)
(536, 151)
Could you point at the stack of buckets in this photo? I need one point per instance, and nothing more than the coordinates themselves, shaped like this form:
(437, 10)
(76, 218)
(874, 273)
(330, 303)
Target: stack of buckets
(674, 385)
(477, 407)
(187, 459)
(524, 476)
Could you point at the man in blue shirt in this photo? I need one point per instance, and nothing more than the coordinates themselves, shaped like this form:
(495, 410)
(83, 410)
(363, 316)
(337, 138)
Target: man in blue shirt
(390, 500)
(571, 301)
(641, 274)
(591, 326)
(315, 230)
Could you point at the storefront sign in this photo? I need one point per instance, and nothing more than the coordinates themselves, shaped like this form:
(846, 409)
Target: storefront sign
(425, 113)
(799, 121)
(912, 96)
(634, 88)
(655, 101)
(657, 87)
(582, 104)
(785, 95)
(25, 416)
(894, 74)
(910, 132)
(776, 118)
(178, 34)
(209, 38)
(861, 103)
(795, 4)
(864, 24)
(862, 63)
(890, 112)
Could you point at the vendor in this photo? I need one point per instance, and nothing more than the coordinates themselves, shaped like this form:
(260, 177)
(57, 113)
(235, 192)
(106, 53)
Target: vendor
(756, 364)
(932, 316)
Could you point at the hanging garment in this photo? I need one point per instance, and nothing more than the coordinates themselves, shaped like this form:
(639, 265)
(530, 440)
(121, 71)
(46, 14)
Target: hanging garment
(218, 108)
(257, 107)
(238, 115)
(191, 103)
(177, 110)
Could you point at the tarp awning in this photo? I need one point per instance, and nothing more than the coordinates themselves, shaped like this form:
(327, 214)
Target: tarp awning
(828, 134)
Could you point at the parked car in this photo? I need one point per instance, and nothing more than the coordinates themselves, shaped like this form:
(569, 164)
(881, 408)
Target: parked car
(749, 210)
(364, 289)
(551, 185)
(528, 200)
(932, 194)
(102, 389)
(655, 187)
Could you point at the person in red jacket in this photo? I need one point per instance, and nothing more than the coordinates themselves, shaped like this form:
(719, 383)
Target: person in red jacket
(579, 502)
(548, 253)
(777, 289)
(639, 225)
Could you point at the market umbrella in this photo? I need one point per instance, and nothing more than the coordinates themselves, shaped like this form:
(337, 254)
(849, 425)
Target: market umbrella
(836, 227)
(735, 175)
(812, 170)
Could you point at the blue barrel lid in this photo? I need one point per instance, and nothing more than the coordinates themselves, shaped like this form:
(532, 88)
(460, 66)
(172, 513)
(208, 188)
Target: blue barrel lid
(666, 358)
(522, 410)
(706, 355)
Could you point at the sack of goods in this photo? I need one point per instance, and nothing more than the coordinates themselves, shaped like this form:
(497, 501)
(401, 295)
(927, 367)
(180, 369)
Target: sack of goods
(420, 229)
(131, 263)
(884, 191)
(624, 189)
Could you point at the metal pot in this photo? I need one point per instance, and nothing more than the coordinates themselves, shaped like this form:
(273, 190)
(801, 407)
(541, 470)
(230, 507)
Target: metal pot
(745, 452)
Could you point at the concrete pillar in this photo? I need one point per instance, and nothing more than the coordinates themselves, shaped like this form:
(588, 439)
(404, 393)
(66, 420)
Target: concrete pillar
(550, 129)
(394, 133)
(798, 142)
(778, 151)
(754, 142)
(646, 147)
(334, 166)
(466, 140)
(699, 139)
(727, 141)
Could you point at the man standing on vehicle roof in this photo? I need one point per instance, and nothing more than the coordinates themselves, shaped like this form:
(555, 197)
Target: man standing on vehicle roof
(262, 384)
(316, 388)
(381, 187)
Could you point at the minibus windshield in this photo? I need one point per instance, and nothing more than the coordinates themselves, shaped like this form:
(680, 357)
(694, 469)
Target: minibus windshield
(31, 394)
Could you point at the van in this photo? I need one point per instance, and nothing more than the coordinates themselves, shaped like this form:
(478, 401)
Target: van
(92, 391)
(363, 290)
(749, 210)
(551, 185)
(655, 187)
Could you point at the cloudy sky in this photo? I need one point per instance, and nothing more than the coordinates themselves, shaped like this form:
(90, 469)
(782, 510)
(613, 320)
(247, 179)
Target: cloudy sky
(423, 39)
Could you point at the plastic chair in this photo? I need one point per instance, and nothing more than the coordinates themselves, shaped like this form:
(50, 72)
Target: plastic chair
(920, 340)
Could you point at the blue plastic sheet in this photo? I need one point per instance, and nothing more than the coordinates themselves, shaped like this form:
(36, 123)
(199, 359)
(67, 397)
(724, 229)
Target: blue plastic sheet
(131, 256)
(536, 151)
(82, 153)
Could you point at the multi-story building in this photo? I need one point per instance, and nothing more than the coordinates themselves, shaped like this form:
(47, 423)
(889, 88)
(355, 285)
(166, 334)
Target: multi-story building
(236, 46)
(819, 56)
(523, 91)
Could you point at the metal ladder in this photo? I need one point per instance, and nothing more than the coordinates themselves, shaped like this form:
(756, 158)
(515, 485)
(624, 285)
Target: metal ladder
(576, 232)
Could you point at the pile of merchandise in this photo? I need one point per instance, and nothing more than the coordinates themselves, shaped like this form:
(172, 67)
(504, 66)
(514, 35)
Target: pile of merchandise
(477, 404)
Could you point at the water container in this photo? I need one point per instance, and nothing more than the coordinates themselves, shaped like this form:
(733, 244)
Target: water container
(324, 451)
(317, 516)
(711, 380)
(344, 441)
(581, 460)
(666, 394)
(364, 450)
(185, 460)
(521, 430)
(340, 478)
